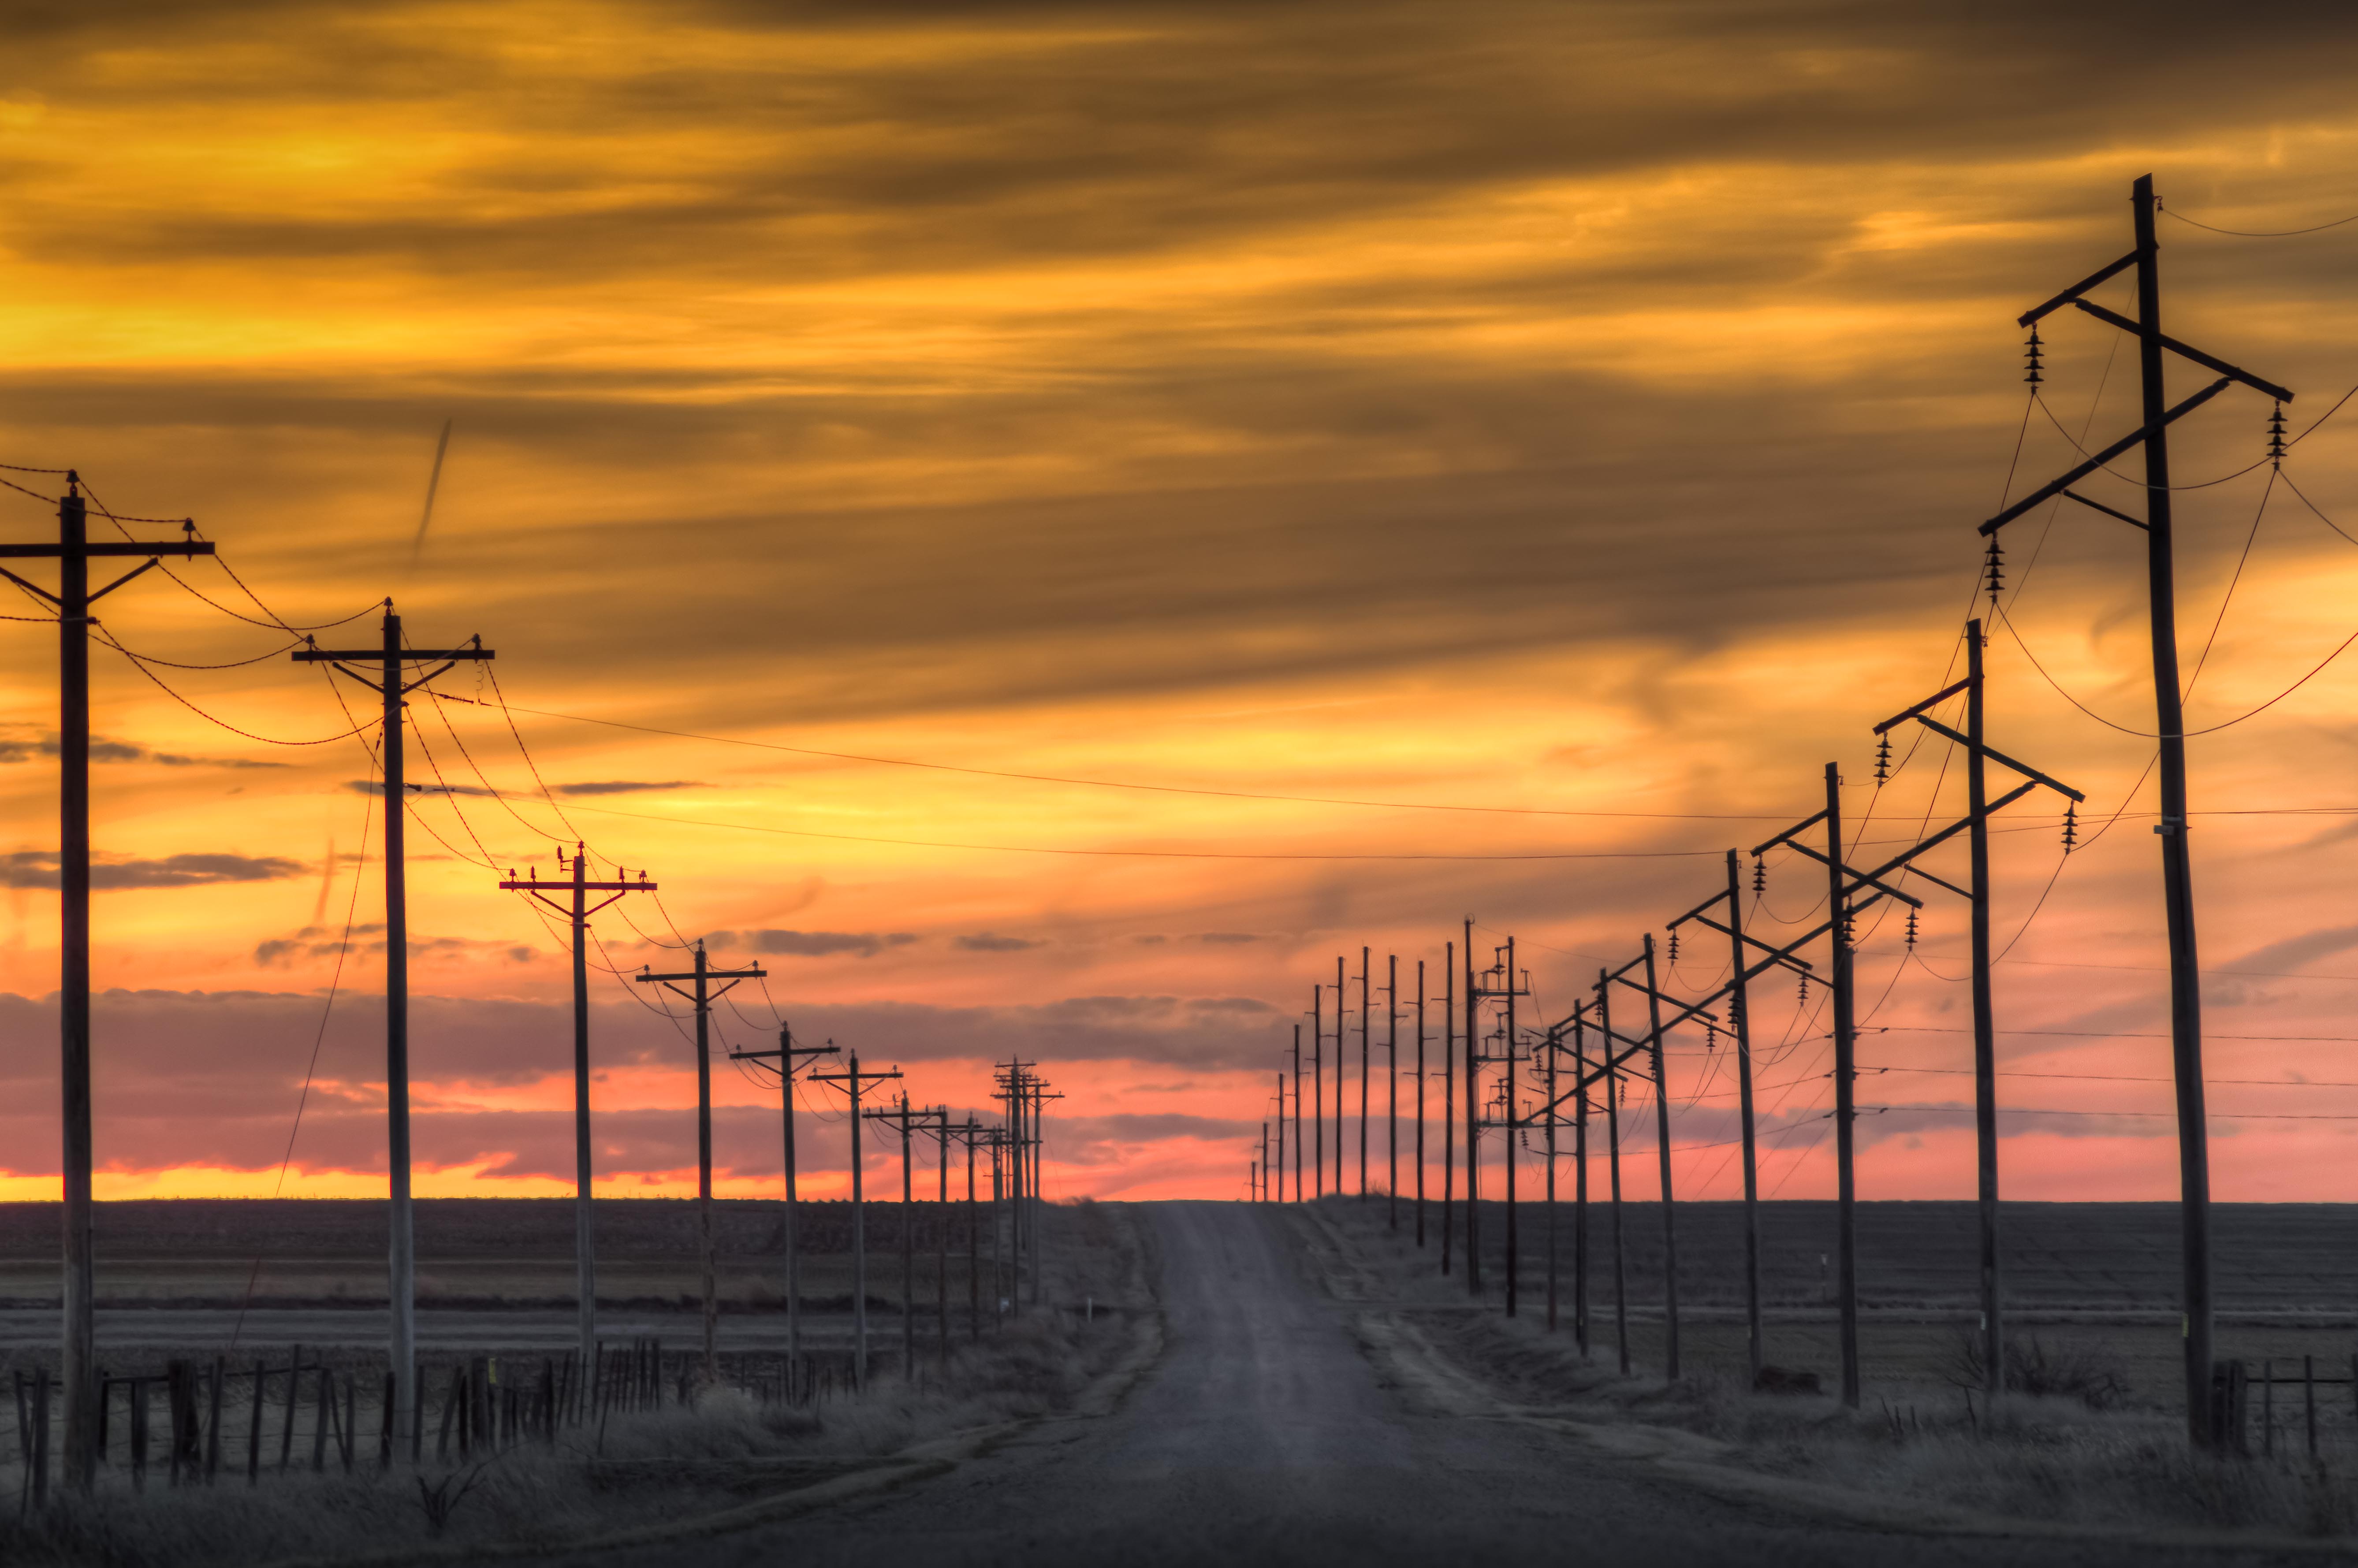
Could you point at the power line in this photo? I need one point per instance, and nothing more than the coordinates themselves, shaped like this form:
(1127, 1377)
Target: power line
(2254, 233)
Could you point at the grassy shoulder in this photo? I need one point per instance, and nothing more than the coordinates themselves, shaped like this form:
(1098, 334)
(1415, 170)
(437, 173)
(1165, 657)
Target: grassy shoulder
(2081, 1457)
(723, 1456)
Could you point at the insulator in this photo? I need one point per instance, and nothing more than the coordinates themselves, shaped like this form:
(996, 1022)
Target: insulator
(1674, 946)
(2276, 436)
(1805, 985)
(2031, 357)
(1993, 563)
(1883, 760)
(1759, 874)
(2070, 825)
(1710, 1035)
(1911, 928)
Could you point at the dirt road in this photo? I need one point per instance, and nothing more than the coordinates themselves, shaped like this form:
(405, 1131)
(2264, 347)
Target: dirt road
(1264, 1434)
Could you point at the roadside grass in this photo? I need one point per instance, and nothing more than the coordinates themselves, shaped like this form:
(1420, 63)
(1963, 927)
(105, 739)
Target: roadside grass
(2090, 1453)
(631, 1471)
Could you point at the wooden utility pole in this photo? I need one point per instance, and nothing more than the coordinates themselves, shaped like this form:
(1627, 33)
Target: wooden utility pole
(1448, 1100)
(2177, 869)
(940, 1117)
(1317, 1084)
(1580, 1183)
(1612, 1071)
(1420, 1104)
(74, 552)
(1507, 1100)
(1473, 1128)
(902, 1117)
(391, 660)
(1391, 1092)
(1280, 1120)
(1739, 1009)
(702, 998)
(787, 1056)
(1297, 1113)
(1845, 1086)
(855, 1084)
(1662, 1144)
(578, 910)
(1365, 1062)
(1340, 1061)
(1548, 1072)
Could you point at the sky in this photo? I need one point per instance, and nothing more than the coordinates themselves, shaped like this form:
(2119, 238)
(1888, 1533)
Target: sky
(1531, 440)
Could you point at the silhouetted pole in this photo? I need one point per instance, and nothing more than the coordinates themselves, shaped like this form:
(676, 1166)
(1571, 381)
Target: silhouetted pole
(1280, 1120)
(942, 1239)
(1580, 1186)
(73, 552)
(1549, 1143)
(1845, 1069)
(391, 660)
(1473, 1130)
(1514, 1271)
(1339, 1059)
(786, 1055)
(1420, 1104)
(1391, 1092)
(1448, 1101)
(1613, 1165)
(1662, 1139)
(1985, 1020)
(1297, 1113)
(1365, 1062)
(1318, 1082)
(577, 911)
(703, 997)
(855, 1084)
(1739, 1006)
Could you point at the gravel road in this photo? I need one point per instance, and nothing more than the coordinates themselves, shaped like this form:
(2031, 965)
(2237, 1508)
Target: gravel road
(1264, 1434)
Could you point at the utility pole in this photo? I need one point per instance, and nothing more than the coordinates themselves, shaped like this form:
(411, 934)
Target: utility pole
(1473, 1128)
(1612, 1163)
(1846, 1086)
(1980, 809)
(1739, 1014)
(1391, 1092)
(73, 553)
(855, 1084)
(1553, 1045)
(1365, 1062)
(1420, 1104)
(391, 661)
(2177, 869)
(902, 1117)
(1448, 1100)
(1281, 1121)
(1580, 1183)
(1508, 991)
(1340, 1061)
(579, 910)
(1297, 1112)
(1317, 1083)
(940, 1117)
(786, 1056)
(702, 998)
(1663, 1142)
(1037, 1087)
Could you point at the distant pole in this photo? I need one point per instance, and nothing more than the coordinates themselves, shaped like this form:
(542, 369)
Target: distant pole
(1514, 1140)
(1739, 1006)
(1391, 1093)
(908, 1251)
(1339, 1063)
(1845, 1070)
(1580, 1185)
(786, 1055)
(703, 997)
(1281, 1121)
(1365, 1062)
(1613, 1164)
(1318, 1085)
(1473, 1130)
(1420, 1104)
(855, 1084)
(1448, 1101)
(1550, 1140)
(578, 910)
(1663, 1141)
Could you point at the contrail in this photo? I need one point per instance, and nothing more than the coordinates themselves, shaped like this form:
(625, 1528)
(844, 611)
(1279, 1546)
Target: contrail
(433, 482)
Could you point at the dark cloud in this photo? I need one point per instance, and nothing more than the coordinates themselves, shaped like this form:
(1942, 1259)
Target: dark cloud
(808, 943)
(38, 869)
(620, 787)
(102, 750)
(1226, 938)
(991, 942)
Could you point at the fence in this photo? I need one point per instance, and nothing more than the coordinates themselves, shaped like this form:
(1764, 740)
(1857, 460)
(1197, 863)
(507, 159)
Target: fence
(216, 1413)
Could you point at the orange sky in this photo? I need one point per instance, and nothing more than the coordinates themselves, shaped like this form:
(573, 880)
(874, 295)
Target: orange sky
(1577, 409)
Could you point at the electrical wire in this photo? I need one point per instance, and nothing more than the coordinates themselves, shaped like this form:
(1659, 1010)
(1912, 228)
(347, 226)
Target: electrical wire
(2253, 233)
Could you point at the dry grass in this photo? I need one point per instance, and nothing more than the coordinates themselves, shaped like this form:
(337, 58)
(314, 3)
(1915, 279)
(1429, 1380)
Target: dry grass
(633, 1470)
(2091, 1450)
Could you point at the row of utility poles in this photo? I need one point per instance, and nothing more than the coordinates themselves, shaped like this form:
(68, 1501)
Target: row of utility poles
(1600, 1055)
(392, 671)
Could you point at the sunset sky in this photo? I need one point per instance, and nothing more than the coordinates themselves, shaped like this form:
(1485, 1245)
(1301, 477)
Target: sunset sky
(1561, 428)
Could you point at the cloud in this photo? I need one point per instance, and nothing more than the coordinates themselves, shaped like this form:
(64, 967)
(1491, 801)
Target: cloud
(38, 869)
(620, 787)
(991, 942)
(102, 750)
(809, 944)
(1226, 938)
